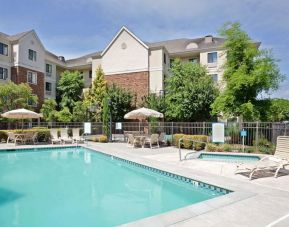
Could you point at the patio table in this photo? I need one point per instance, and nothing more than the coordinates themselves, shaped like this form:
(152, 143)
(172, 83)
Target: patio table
(141, 139)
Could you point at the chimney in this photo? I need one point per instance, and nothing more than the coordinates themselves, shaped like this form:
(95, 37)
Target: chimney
(61, 58)
(208, 39)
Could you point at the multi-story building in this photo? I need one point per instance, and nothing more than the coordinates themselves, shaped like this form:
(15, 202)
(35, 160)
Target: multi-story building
(131, 63)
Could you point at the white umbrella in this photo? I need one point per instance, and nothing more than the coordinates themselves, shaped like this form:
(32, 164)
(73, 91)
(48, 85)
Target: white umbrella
(143, 113)
(21, 114)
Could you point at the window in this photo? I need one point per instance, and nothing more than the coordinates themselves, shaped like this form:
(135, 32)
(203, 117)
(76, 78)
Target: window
(212, 57)
(48, 69)
(31, 102)
(3, 49)
(32, 55)
(32, 77)
(215, 77)
(171, 62)
(165, 58)
(48, 86)
(193, 60)
(3, 73)
(90, 74)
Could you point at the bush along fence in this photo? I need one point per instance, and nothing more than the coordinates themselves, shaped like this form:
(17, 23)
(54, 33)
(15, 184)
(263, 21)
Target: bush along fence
(260, 135)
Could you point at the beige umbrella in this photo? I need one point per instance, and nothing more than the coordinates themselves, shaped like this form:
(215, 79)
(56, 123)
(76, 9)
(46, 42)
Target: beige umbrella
(21, 114)
(143, 113)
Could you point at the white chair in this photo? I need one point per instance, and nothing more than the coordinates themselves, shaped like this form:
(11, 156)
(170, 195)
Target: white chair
(276, 162)
(153, 140)
(162, 138)
(64, 136)
(54, 136)
(76, 137)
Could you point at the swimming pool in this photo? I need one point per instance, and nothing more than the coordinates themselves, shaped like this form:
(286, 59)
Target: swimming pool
(228, 157)
(80, 187)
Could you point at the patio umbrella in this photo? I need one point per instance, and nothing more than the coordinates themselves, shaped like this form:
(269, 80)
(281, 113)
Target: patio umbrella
(143, 113)
(21, 114)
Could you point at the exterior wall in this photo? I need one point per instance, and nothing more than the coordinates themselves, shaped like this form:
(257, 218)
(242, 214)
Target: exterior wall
(19, 75)
(87, 80)
(137, 83)
(125, 55)
(4, 65)
(214, 68)
(95, 64)
(5, 61)
(21, 53)
(51, 78)
(156, 71)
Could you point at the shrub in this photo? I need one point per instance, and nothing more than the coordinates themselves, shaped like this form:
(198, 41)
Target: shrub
(227, 147)
(249, 150)
(102, 139)
(3, 136)
(212, 147)
(176, 138)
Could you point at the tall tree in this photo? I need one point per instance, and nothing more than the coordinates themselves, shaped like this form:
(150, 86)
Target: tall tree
(48, 109)
(121, 102)
(248, 72)
(97, 92)
(190, 92)
(155, 102)
(13, 96)
(105, 115)
(70, 88)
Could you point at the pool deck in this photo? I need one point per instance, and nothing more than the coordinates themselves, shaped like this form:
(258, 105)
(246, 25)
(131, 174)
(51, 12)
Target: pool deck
(261, 202)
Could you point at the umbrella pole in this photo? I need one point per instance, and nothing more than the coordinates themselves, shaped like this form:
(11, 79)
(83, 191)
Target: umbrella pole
(139, 126)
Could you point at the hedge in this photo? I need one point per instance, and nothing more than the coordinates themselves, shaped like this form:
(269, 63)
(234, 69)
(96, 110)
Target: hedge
(43, 133)
(187, 143)
(219, 147)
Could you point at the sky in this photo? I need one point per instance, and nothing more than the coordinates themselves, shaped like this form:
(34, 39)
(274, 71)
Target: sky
(72, 28)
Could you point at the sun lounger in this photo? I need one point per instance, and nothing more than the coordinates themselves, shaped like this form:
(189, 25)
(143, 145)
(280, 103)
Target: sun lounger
(15, 138)
(276, 162)
(54, 136)
(133, 141)
(162, 138)
(76, 137)
(64, 136)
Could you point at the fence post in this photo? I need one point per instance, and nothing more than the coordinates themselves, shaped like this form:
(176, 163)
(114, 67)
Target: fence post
(257, 136)
(172, 130)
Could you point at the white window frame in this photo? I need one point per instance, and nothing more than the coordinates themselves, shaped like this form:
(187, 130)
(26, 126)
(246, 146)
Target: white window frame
(4, 73)
(34, 55)
(5, 49)
(33, 74)
(34, 104)
(214, 62)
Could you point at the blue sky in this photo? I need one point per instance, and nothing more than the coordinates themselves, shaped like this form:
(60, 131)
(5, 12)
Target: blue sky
(75, 27)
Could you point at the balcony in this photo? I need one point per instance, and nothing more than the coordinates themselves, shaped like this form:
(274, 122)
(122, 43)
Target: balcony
(48, 74)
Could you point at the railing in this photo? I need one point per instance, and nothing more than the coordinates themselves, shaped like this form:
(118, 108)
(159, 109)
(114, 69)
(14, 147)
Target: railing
(255, 130)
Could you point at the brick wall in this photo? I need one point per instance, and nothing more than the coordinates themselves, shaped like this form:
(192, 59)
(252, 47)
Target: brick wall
(19, 75)
(137, 83)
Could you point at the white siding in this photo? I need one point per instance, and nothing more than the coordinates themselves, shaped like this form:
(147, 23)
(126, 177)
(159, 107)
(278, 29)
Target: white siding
(156, 71)
(95, 64)
(51, 79)
(125, 55)
(30, 42)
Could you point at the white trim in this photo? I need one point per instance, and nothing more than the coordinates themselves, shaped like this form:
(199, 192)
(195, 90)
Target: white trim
(126, 71)
(32, 74)
(117, 35)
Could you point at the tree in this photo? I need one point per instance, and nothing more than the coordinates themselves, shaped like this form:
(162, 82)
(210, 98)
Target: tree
(155, 102)
(248, 72)
(48, 109)
(64, 115)
(97, 93)
(70, 88)
(79, 111)
(105, 116)
(14, 96)
(279, 110)
(190, 92)
(121, 102)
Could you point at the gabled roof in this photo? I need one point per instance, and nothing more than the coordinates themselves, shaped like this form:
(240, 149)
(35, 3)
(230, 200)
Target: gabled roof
(83, 60)
(181, 45)
(18, 36)
(118, 34)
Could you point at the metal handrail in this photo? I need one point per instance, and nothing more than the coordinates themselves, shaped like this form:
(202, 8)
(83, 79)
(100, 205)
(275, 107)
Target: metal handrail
(188, 139)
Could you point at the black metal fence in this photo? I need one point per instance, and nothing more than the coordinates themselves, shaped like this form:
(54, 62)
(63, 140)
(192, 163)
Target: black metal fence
(255, 130)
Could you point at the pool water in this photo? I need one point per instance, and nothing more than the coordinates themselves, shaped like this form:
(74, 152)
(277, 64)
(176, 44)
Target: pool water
(229, 157)
(79, 187)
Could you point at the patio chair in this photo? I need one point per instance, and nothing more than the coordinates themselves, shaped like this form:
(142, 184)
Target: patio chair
(276, 162)
(153, 139)
(64, 136)
(132, 141)
(30, 137)
(162, 138)
(15, 138)
(76, 137)
(54, 136)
